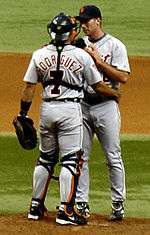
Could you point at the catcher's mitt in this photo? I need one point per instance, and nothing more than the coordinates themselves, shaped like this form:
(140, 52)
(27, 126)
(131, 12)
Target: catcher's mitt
(25, 131)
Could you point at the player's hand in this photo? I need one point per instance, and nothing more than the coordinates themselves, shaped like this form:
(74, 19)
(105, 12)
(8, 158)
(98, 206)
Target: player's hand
(91, 49)
(118, 95)
(19, 116)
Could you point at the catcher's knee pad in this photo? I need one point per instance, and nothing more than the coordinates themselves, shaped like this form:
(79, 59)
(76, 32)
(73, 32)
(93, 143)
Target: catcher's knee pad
(73, 162)
(48, 160)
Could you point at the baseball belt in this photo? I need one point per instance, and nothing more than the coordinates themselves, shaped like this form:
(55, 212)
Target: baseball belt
(63, 100)
(95, 99)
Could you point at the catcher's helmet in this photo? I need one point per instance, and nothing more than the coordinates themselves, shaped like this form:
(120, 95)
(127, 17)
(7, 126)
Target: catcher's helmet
(60, 27)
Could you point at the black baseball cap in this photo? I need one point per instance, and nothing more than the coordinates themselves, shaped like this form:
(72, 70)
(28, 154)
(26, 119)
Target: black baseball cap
(88, 12)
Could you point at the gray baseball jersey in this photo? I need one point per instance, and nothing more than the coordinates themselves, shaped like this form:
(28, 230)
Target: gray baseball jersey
(101, 116)
(113, 52)
(75, 64)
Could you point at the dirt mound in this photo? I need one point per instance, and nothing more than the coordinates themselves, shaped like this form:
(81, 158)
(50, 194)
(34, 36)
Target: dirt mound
(97, 225)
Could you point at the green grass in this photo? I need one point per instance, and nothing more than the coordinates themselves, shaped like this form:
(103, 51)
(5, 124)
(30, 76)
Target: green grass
(17, 167)
(136, 159)
(23, 23)
(16, 177)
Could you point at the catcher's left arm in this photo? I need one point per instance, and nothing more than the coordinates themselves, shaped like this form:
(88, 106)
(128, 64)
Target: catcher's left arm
(26, 98)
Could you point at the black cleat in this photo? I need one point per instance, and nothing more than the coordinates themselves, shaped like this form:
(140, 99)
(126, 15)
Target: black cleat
(117, 211)
(63, 219)
(37, 211)
(82, 209)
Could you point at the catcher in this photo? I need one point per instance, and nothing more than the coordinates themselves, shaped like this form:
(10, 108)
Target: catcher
(60, 67)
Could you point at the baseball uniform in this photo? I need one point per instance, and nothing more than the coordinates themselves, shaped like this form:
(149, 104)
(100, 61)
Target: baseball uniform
(101, 116)
(60, 113)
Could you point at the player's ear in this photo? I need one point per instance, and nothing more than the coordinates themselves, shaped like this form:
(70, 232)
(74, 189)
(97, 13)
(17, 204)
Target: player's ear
(73, 35)
(99, 21)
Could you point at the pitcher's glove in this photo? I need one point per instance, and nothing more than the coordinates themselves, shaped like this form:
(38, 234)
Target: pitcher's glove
(25, 131)
(80, 43)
